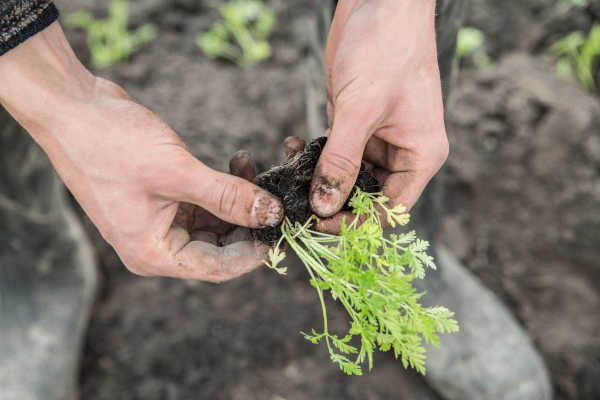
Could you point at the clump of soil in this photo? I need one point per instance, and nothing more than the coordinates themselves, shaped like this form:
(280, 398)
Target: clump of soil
(291, 183)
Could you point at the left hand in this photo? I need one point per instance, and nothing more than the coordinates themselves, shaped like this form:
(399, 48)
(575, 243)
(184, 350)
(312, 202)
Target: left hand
(385, 104)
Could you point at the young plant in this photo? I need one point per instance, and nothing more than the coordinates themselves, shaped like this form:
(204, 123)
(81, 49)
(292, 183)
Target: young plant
(241, 36)
(577, 3)
(370, 275)
(109, 39)
(579, 55)
(469, 44)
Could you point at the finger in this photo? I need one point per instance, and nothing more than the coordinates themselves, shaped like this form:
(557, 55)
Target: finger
(207, 262)
(193, 218)
(204, 236)
(293, 145)
(384, 155)
(333, 224)
(376, 152)
(202, 220)
(204, 260)
(227, 197)
(403, 187)
(237, 235)
(184, 216)
(241, 165)
(338, 165)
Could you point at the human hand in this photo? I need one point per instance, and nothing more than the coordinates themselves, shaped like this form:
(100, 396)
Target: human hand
(385, 104)
(163, 211)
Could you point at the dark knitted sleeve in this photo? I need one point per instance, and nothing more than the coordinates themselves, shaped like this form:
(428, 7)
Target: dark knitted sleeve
(21, 19)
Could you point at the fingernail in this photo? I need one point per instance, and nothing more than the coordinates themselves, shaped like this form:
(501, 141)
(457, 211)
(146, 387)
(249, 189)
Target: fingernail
(266, 211)
(326, 197)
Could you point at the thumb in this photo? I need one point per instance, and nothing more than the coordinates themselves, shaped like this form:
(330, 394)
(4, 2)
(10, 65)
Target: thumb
(339, 164)
(228, 197)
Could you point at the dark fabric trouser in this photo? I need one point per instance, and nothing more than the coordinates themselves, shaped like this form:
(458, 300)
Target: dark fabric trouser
(448, 21)
(47, 275)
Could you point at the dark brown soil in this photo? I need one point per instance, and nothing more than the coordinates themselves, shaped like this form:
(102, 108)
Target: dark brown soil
(520, 208)
(291, 183)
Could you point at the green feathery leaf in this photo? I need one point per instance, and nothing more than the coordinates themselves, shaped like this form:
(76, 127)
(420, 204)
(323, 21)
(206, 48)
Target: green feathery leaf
(371, 276)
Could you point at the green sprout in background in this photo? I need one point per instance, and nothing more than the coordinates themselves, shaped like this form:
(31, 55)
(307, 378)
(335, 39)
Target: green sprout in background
(108, 39)
(470, 44)
(241, 36)
(577, 3)
(578, 56)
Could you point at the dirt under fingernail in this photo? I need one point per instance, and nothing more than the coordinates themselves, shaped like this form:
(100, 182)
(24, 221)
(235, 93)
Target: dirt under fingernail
(291, 182)
(326, 196)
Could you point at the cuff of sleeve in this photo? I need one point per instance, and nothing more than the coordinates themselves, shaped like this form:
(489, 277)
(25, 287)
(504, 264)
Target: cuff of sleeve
(47, 17)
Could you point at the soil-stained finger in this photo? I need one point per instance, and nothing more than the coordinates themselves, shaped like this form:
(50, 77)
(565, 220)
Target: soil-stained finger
(293, 145)
(205, 221)
(230, 198)
(204, 236)
(334, 178)
(333, 225)
(206, 262)
(384, 155)
(237, 235)
(242, 165)
(403, 187)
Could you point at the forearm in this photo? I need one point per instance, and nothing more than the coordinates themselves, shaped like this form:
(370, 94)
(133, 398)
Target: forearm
(43, 81)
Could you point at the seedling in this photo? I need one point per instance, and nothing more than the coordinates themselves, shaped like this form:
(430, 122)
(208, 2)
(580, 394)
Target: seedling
(470, 44)
(109, 39)
(577, 3)
(241, 36)
(578, 56)
(369, 274)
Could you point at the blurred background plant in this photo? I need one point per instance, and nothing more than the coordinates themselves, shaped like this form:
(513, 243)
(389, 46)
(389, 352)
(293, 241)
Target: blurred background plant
(108, 39)
(470, 45)
(579, 56)
(241, 35)
(577, 3)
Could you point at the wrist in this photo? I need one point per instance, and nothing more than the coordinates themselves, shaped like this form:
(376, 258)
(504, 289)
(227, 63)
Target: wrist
(42, 81)
(413, 11)
(391, 2)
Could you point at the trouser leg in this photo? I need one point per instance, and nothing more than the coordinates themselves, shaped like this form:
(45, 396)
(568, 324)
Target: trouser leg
(47, 275)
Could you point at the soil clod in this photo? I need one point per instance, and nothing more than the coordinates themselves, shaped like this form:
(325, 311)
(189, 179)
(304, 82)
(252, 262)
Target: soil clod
(291, 182)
